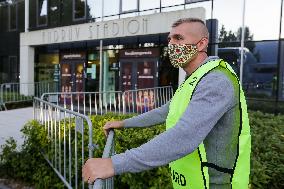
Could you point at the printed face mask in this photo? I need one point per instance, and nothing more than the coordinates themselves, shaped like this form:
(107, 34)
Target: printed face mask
(181, 54)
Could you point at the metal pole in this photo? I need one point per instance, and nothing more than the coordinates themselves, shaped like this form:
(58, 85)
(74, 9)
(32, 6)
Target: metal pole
(101, 66)
(278, 80)
(242, 42)
(27, 2)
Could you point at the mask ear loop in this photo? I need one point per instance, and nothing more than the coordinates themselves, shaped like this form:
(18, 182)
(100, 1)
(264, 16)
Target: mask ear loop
(198, 42)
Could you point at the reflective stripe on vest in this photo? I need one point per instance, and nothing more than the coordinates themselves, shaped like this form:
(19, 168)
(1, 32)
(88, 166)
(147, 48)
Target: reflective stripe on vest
(191, 171)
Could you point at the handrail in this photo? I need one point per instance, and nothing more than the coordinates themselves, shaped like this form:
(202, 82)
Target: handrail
(98, 184)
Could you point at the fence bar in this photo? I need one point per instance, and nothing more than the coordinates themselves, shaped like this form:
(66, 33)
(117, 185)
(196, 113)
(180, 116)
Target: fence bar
(68, 151)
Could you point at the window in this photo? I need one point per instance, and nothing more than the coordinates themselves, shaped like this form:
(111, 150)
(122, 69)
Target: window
(94, 8)
(195, 1)
(54, 9)
(79, 9)
(42, 12)
(21, 16)
(263, 19)
(111, 10)
(3, 19)
(229, 26)
(13, 17)
(149, 4)
(14, 69)
(166, 3)
(129, 6)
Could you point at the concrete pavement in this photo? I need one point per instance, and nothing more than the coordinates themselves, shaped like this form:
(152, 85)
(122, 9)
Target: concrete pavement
(12, 121)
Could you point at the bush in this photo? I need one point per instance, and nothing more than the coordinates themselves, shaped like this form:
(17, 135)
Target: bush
(267, 161)
(28, 165)
(267, 167)
(127, 139)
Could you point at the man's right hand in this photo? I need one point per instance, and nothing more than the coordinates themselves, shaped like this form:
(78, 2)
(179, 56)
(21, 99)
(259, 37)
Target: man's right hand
(112, 125)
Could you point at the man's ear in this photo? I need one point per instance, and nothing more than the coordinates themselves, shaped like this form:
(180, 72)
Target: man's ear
(203, 44)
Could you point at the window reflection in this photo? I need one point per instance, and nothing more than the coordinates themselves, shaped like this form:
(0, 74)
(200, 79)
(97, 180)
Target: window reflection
(111, 10)
(206, 5)
(42, 12)
(228, 25)
(166, 3)
(149, 4)
(129, 5)
(79, 9)
(263, 20)
(260, 66)
(54, 13)
(93, 8)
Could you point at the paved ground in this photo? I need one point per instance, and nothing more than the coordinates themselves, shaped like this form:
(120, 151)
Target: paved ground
(12, 121)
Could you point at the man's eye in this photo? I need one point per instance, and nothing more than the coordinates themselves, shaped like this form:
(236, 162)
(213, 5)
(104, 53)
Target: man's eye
(179, 38)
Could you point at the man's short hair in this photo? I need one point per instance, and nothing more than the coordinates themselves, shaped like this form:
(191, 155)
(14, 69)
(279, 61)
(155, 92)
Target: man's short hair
(187, 20)
(204, 31)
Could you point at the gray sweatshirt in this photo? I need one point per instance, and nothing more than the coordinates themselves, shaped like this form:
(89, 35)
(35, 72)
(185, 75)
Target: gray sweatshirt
(211, 118)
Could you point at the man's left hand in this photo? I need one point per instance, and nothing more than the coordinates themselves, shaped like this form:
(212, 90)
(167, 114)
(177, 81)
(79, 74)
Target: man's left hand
(97, 168)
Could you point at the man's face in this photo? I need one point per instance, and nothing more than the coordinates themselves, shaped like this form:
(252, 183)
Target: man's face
(181, 35)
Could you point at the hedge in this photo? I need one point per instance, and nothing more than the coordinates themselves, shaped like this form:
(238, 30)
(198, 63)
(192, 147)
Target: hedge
(28, 165)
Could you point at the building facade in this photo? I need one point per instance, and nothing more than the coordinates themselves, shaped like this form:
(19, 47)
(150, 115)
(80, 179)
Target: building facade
(95, 45)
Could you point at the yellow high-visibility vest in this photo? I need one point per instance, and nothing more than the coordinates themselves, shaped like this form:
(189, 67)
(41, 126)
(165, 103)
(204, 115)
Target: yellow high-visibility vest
(191, 171)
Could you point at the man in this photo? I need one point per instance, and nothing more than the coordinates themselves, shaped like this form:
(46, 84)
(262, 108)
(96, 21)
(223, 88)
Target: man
(207, 141)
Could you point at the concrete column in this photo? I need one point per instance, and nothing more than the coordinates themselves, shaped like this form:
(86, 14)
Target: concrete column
(27, 3)
(27, 54)
(212, 25)
(181, 76)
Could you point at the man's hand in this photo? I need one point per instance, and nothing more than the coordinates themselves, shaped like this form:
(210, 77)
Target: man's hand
(112, 125)
(97, 168)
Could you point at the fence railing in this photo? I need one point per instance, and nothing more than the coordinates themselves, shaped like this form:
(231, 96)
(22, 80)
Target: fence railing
(144, 100)
(70, 135)
(108, 151)
(70, 131)
(98, 103)
(20, 92)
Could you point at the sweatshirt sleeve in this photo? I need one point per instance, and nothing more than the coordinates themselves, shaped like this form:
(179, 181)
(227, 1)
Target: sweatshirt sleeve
(213, 96)
(153, 117)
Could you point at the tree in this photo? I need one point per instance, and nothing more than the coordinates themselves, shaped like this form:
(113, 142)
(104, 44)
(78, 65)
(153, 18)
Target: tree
(248, 35)
(230, 36)
(226, 36)
(233, 39)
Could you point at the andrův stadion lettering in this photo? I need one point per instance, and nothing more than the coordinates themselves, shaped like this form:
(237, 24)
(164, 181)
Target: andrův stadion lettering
(140, 25)
(96, 31)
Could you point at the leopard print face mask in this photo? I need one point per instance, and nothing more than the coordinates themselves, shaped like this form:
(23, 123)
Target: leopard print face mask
(181, 54)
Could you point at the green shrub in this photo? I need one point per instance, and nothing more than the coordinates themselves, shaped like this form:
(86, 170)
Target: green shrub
(28, 165)
(267, 161)
(127, 139)
(267, 168)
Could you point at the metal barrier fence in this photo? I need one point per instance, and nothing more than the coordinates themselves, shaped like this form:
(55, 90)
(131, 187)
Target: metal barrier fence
(144, 100)
(97, 103)
(132, 101)
(20, 92)
(70, 135)
(68, 129)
